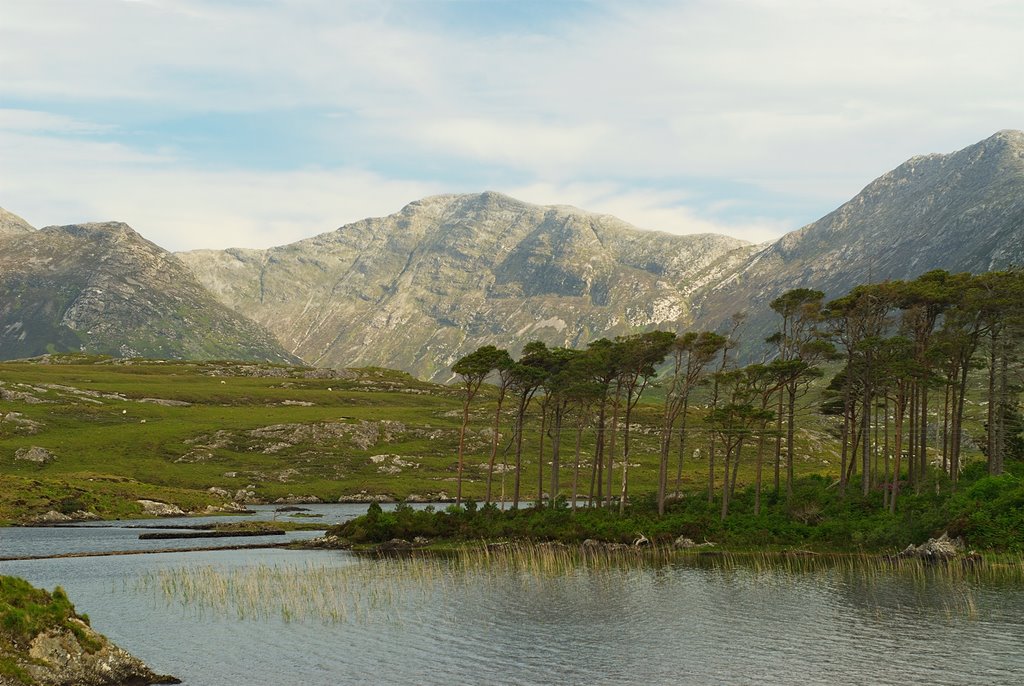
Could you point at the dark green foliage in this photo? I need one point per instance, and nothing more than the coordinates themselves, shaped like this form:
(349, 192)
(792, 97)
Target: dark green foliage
(988, 512)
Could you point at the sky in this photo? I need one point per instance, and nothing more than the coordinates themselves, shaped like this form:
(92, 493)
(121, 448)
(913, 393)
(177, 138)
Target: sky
(251, 123)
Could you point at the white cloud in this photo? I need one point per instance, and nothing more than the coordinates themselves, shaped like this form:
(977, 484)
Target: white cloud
(181, 208)
(798, 97)
(654, 210)
(35, 121)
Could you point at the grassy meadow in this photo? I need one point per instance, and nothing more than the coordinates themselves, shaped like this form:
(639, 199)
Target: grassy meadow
(168, 431)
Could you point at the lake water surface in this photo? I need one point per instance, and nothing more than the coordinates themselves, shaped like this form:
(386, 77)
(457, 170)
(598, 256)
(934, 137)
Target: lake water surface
(673, 624)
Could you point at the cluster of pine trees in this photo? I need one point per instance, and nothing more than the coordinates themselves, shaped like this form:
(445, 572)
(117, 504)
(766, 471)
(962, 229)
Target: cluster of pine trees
(905, 356)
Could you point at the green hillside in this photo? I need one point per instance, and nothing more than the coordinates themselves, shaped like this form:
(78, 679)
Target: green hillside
(120, 430)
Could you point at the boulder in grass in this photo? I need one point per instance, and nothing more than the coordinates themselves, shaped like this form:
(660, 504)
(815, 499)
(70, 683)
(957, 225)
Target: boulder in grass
(35, 454)
(157, 509)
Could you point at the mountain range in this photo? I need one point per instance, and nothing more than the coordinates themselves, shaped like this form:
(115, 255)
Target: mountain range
(417, 289)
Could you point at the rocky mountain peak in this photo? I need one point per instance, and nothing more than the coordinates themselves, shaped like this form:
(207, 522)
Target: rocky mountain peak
(417, 289)
(103, 288)
(11, 223)
(962, 211)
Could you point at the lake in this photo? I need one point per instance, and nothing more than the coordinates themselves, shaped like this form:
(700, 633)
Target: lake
(433, 621)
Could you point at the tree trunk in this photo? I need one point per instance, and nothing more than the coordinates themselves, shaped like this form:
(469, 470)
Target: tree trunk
(865, 432)
(598, 472)
(790, 426)
(682, 447)
(725, 480)
(990, 429)
(912, 437)
(1004, 402)
(898, 445)
(923, 445)
(757, 468)
(735, 470)
(886, 492)
(540, 456)
(556, 456)
(611, 448)
(520, 420)
(625, 458)
(576, 468)
(945, 426)
(958, 418)
(844, 443)
(666, 439)
(494, 446)
(462, 442)
(778, 446)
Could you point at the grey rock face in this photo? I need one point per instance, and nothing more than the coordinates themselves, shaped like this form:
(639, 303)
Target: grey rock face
(59, 659)
(420, 288)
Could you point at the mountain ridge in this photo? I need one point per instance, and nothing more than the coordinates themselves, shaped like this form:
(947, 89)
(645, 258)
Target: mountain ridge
(962, 211)
(452, 272)
(447, 273)
(11, 224)
(103, 288)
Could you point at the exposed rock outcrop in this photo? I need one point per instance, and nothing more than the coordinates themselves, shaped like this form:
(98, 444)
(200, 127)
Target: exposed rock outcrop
(941, 549)
(60, 659)
(364, 497)
(158, 509)
(34, 454)
(51, 645)
(298, 500)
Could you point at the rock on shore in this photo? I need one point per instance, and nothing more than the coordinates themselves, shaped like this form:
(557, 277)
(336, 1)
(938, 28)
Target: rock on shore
(62, 649)
(58, 658)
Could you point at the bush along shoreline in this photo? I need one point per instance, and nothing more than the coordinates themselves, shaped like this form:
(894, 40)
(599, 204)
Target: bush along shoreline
(987, 513)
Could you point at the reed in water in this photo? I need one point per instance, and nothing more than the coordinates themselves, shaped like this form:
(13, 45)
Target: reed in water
(400, 588)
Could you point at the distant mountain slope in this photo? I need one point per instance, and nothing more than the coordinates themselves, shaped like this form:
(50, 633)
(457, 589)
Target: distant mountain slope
(417, 289)
(102, 288)
(960, 212)
(11, 224)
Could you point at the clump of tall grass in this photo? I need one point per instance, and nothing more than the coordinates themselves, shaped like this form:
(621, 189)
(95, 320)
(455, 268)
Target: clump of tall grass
(989, 569)
(406, 588)
(361, 592)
